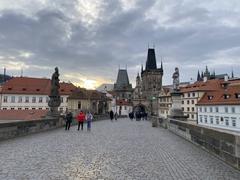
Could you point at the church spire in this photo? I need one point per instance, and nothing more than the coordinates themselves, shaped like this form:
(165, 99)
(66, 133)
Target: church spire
(198, 76)
(151, 60)
(232, 74)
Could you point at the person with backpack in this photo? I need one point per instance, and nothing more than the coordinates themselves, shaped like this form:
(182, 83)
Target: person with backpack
(89, 118)
(80, 118)
(69, 118)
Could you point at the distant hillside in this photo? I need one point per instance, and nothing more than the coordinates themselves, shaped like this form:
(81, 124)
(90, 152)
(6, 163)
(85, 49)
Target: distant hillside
(2, 78)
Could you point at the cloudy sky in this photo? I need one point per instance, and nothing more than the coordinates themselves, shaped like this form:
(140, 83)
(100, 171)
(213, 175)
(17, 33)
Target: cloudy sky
(89, 39)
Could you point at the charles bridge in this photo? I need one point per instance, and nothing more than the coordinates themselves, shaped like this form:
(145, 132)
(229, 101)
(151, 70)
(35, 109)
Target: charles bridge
(122, 149)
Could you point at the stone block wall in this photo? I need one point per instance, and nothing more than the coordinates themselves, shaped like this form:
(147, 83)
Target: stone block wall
(21, 128)
(225, 145)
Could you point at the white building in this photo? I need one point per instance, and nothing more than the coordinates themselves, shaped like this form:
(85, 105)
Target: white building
(193, 93)
(24, 93)
(221, 108)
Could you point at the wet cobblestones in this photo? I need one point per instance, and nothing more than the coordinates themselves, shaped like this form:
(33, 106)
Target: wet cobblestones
(112, 150)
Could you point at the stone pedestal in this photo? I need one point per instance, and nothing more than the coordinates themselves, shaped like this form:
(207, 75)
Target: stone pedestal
(176, 110)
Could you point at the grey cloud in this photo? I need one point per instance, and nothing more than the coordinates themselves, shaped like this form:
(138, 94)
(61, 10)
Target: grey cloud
(58, 38)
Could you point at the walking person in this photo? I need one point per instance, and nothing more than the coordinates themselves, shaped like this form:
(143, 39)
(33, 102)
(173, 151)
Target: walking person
(80, 118)
(116, 115)
(111, 115)
(69, 118)
(89, 118)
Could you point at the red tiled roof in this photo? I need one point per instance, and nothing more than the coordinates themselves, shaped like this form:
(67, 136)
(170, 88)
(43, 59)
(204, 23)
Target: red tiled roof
(27, 85)
(210, 85)
(82, 93)
(26, 115)
(218, 97)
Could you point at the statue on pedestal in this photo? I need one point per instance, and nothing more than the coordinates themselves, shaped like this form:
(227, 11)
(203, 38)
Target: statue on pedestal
(54, 96)
(176, 80)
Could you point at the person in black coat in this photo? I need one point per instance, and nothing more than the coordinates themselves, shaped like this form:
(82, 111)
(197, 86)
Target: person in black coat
(111, 115)
(69, 118)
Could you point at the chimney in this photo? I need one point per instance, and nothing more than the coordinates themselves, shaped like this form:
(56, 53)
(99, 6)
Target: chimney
(226, 78)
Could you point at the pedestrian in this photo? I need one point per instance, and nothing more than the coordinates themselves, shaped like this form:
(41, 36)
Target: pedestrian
(80, 118)
(69, 118)
(116, 115)
(89, 118)
(111, 115)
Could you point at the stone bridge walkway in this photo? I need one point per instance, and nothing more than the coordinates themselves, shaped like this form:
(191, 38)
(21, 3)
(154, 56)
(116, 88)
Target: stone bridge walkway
(113, 150)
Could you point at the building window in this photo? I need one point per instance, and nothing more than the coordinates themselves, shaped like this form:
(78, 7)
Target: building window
(211, 119)
(210, 109)
(182, 108)
(125, 107)
(192, 116)
(233, 109)
(79, 105)
(205, 118)
(234, 121)
(205, 109)
(193, 94)
(216, 109)
(33, 99)
(40, 108)
(187, 101)
(226, 109)
(40, 99)
(188, 109)
(26, 100)
(192, 101)
(5, 99)
(26, 108)
(200, 109)
(227, 121)
(182, 102)
(217, 120)
(192, 109)
(188, 94)
(19, 99)
(33, 108)
(4, 108)
(19, 108)
(61, 99)
(200, 117)
(12, 99)
(12, 108)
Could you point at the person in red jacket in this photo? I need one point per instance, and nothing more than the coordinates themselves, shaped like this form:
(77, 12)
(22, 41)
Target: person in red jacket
(80, 118)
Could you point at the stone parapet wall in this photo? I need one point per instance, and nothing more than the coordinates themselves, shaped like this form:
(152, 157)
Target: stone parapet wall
(22, 128)
(225, 145)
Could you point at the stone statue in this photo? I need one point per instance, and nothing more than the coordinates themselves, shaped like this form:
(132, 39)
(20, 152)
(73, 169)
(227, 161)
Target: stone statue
(176, 80)
(54, 96)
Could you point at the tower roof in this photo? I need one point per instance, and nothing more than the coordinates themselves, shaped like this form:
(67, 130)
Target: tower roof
(122, 79)
(151, 60)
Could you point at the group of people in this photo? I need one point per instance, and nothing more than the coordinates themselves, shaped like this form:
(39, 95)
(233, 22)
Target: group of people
(81, 118)
(113, 115)
(138, 115)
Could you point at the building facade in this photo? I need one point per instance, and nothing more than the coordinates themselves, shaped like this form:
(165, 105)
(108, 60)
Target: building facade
(88, 100)
(24, 93)
(221, 108)
(164, 102)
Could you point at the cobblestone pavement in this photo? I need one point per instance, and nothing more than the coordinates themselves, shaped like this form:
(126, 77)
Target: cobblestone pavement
(112, 150)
